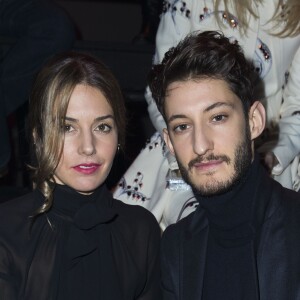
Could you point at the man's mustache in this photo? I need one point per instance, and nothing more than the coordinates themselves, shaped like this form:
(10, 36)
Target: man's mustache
(200, 159)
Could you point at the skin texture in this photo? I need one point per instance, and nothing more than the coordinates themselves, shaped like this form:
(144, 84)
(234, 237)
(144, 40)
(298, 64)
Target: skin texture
(90, 141)
(209, 135)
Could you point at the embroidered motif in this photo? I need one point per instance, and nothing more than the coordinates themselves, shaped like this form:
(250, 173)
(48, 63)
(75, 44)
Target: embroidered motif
(230, 19)
(177, 6)
(206, 13)
(264, 50)
(190, 204)
(286, 77)
(156, 141)
(262, 59)
(151, 144)
(133, 190)
(227, 18)
(166, 6)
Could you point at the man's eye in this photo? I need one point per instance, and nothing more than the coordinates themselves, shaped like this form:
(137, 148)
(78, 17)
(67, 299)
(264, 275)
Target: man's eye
(219, 118)
(104, 128)
(181, 127)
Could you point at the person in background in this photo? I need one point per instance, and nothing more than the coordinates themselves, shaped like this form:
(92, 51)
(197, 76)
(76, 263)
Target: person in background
(242, 242)
(151, 10)
(37, 30)
(69, 239)
(269, 33)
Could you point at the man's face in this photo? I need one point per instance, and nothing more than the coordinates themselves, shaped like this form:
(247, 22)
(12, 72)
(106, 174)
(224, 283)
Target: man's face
(208, 133)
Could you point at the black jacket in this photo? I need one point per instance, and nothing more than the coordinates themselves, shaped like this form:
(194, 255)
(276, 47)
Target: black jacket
(277, 252)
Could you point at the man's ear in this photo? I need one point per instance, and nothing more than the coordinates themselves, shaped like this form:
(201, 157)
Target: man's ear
(257, 119)
(168, 140)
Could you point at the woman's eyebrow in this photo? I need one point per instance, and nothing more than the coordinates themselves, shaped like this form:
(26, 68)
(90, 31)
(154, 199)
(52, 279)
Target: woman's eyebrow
(104, 117)
(95, 120)
(71, 119)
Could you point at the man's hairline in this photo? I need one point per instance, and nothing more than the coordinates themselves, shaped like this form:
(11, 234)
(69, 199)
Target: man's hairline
(195, 78)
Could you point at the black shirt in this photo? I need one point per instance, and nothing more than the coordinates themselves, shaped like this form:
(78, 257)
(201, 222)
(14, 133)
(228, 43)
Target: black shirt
(85, 247)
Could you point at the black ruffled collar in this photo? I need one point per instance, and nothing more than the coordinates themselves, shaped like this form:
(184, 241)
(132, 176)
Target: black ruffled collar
(84, 227)
(86, 211)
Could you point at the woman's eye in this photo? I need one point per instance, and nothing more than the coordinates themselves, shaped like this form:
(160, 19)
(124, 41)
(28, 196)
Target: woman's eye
(104, 128)
(68, 128)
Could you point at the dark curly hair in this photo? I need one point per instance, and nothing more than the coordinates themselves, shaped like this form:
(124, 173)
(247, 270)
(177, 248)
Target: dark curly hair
(199, 56)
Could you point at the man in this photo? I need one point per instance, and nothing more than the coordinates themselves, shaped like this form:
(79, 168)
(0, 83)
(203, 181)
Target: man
(242, 242)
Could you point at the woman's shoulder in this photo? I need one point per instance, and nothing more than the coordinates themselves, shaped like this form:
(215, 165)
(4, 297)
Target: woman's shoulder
(135, 216)
(138, 229)
(16, 211)
(19, 202)
(129, 211)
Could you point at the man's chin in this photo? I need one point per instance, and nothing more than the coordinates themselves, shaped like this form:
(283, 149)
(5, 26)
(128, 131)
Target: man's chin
(211, 188)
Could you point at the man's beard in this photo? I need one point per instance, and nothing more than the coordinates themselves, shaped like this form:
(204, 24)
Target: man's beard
(242, 161)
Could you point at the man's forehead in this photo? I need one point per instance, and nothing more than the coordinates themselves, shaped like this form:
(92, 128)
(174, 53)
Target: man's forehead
(207, 91)
(205, 82)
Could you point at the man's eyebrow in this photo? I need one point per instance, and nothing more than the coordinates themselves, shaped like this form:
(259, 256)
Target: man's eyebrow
(174, 117)
(95, 120)
(209, 108)
(218, 104)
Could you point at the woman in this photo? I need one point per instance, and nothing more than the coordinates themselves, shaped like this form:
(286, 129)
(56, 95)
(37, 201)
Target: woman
(269, 33)
(69, 239)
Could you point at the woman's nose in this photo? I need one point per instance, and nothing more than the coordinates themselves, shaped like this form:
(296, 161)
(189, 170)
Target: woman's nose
(87, 144)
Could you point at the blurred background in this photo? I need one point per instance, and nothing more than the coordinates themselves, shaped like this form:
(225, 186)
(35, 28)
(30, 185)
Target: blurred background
(121, 34)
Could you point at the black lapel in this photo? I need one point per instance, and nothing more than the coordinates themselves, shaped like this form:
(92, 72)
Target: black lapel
(193, 257)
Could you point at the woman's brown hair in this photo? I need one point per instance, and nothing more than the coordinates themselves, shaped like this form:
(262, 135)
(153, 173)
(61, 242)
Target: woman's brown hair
(49, 101)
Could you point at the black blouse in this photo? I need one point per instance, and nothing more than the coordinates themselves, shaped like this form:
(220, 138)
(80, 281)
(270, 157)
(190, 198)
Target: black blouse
(85, 247)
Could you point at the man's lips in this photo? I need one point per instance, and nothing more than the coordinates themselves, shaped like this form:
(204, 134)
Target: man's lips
(87, 168)
(208, 165)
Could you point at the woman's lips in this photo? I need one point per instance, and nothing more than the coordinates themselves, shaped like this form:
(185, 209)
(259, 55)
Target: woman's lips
(87, 168)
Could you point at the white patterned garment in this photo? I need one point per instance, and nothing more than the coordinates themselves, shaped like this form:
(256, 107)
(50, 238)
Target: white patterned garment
(145, 183)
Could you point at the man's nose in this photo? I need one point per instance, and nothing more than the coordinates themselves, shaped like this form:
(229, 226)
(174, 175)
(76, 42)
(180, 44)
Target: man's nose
(202, 141)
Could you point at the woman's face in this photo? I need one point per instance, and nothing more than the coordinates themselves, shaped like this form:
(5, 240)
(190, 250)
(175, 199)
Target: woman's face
(91, 140)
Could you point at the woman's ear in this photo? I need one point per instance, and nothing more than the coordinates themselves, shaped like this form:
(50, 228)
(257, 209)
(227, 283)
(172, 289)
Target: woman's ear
(168, 141)
(257, 119)
(34, 136)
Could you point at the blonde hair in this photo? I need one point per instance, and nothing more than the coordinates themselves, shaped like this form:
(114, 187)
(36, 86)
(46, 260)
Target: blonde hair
(287, 13)
(49, 101)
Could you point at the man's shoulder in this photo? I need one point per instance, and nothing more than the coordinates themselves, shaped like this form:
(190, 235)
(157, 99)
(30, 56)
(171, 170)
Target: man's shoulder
(286, 197)
(284, 203)
(182, 228)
